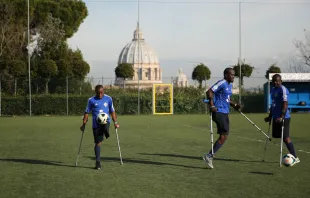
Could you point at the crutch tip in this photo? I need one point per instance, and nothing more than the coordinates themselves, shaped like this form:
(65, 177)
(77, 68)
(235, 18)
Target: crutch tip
(270, 139)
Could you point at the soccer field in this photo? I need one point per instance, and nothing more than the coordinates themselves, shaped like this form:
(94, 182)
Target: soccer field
(161, 154)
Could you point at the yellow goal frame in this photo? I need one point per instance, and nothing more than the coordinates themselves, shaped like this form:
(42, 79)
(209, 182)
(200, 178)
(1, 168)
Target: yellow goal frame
(170, 86)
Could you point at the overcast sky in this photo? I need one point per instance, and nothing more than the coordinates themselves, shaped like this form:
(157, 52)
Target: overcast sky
(183, 34)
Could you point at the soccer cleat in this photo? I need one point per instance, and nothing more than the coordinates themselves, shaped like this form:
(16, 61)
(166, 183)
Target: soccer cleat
(297, 160)
(98, 165)
(208, 159)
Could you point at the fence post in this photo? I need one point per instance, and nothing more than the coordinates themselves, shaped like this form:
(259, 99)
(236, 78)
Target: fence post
(0, 94)
(67, 95)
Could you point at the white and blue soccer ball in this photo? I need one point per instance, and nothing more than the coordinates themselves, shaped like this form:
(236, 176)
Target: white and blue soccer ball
(288, 160)
(102, 118)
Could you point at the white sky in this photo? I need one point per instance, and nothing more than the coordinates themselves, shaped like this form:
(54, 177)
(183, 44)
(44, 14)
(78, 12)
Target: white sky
(181, 33)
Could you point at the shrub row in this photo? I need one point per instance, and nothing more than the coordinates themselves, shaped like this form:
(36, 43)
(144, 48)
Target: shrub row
(124, 104)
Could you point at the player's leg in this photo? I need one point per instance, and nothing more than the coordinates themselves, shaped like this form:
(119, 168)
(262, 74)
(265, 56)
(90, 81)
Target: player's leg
(222, 122)
(98, 138)
(287, 140)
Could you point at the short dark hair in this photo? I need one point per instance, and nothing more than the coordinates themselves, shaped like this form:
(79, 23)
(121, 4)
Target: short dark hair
(98, 87)
(226, 71)
(276, 76)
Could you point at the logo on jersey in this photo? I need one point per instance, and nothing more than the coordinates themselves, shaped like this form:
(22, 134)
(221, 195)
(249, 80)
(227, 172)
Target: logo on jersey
(96, 104)
(228, 99)
(105, 104)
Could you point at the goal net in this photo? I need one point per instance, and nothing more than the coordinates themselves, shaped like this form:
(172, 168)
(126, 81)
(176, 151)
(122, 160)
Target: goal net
(162, 99)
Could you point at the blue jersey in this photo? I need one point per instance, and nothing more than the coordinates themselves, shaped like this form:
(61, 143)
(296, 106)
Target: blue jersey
(222, 92)
(96, 105)
(278, 96)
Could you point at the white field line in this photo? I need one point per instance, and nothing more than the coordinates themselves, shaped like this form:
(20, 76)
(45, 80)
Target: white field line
(246, 138)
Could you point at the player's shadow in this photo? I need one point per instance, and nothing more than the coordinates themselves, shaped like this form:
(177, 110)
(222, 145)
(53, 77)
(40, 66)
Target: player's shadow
(140, 161)
(261, 173)
(200, 158)
(39, 162)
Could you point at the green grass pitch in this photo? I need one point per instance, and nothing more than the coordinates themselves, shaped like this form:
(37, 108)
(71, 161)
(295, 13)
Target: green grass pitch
(161, 154)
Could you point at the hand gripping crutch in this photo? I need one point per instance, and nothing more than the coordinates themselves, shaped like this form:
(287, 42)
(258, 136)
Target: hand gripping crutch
(77, 157)
(267, 141)
(119, 148)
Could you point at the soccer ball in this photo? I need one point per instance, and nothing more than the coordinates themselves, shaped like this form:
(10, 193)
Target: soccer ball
(288, 160)
(102, 118)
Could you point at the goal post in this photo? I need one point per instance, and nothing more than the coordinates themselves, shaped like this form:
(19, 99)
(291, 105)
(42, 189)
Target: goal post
(162, 101)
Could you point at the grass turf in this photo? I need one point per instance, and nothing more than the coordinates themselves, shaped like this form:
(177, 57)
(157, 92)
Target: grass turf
(161, 154)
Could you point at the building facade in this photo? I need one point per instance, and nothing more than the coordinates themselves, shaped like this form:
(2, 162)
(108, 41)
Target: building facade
(145, 62)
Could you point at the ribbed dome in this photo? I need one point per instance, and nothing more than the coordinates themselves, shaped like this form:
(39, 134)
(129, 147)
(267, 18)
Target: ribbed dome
(181, 75)
(137, 50)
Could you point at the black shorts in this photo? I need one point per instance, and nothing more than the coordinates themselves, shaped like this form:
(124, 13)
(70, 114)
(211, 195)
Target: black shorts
(277, 129)
(100, 132)
(222, 122)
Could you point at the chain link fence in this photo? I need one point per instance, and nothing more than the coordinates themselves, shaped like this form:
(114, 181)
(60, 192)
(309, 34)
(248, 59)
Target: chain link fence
(68, 96)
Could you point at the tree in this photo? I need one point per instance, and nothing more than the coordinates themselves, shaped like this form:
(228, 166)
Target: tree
(124, 70)
(52, 22)
(47, 69)
(201, 73)
(246, 71)
(17, 69)
(71, 13)
(304, 48)
(51, 36)
(80, 68)
(272, 69)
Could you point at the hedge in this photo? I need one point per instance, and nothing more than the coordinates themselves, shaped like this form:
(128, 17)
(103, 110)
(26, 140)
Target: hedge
(124, 104)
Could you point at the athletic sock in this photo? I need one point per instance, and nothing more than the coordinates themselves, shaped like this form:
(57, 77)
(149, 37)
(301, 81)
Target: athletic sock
(216, 147)
(97, 153)
(291, 149)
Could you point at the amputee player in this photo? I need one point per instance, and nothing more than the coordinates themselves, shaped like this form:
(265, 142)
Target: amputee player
(100, 103)
(219, 100)
(279, 112)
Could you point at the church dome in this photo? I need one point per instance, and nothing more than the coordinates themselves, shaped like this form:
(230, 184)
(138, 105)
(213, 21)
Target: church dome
(181, 79)
(137, 50)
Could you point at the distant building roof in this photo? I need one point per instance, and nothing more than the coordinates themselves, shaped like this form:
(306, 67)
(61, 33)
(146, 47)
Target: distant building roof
(293, 77)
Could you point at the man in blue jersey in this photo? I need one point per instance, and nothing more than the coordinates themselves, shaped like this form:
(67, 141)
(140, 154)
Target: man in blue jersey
(279, 114)
(219, 100)
(100, 103)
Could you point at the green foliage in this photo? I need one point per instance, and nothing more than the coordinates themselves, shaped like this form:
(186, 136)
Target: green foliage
(186, 101)
(246, 71)
(80, 68)
(201, 73)
(17, 68)
(72, 13)
(124, 70)
(47, 69)
(272, 69)
(55, 21)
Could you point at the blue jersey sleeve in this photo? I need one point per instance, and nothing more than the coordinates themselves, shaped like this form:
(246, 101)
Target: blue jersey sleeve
(218, 86)
(285, 94)
(111, 107)
(89, 106)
